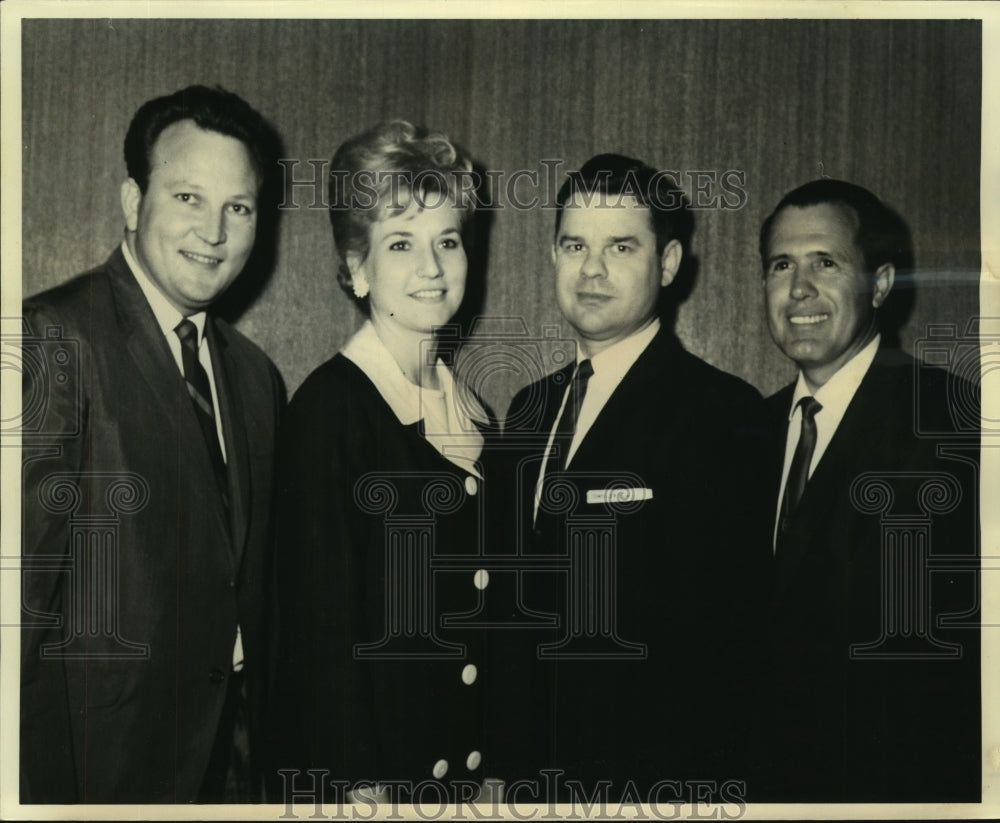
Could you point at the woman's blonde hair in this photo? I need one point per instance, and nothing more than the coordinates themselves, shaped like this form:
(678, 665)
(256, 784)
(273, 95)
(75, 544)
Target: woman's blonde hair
(379, 172)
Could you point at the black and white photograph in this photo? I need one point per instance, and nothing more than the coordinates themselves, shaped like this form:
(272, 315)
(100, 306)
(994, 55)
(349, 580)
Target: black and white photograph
(512, 410)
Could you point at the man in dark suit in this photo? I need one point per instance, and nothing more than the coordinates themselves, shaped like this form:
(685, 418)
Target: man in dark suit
(637, 486)
(146, 487)
(873, 692)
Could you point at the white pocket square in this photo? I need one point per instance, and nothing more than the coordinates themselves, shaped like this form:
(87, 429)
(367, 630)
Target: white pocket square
(618, 495)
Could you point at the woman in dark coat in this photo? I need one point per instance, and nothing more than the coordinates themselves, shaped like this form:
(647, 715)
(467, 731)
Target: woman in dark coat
(379, 675)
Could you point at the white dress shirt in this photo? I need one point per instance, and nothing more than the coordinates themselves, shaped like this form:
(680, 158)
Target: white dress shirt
(610, 367)
(834, 396)
(167, 318)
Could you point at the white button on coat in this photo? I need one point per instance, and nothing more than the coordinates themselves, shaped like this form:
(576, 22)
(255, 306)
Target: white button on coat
(440, 769)
(481, 579)
(471, 486)
(473, 760)
(469, 674)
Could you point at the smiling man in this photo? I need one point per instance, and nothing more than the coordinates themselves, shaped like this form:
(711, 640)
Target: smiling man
(145, 520)
(872, 696)
(642, 474)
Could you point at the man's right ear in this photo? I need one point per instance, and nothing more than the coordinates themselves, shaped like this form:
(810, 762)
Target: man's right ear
(131, 197)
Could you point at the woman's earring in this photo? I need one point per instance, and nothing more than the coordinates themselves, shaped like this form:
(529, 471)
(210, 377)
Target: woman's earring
(360, 286)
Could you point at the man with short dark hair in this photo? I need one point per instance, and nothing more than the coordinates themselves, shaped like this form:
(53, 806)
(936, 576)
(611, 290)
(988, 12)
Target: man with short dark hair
(643, 478)
(873, 692)
(145, 510)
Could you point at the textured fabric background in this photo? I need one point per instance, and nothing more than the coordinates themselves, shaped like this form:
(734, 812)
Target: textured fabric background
(892, 105)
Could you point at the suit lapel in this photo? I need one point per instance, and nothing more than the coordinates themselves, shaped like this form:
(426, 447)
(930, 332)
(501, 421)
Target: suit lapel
(556, 390)
(848, 445)
(659, 362)
(780, 405)
(145, 342)
(151, 354)
(533, 421)
(227, 387)
(849, 453)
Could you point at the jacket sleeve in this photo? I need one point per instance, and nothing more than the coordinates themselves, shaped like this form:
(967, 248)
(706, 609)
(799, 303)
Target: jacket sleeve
(54, 421)
(320, 704)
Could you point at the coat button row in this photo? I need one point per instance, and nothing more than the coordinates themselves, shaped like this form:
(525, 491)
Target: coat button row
(471, 763)
(469, 674)
(216, 676)
(481, 579)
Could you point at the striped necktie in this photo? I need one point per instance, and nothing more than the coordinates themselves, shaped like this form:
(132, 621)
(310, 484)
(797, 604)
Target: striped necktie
(200, 392)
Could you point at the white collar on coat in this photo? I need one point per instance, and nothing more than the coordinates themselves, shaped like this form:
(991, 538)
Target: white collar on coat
(448, 414)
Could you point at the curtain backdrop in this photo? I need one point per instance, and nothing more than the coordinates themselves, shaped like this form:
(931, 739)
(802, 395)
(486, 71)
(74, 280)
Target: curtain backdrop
(891, 105)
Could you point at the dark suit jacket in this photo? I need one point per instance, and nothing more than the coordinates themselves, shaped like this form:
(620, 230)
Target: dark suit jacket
(670, 700)
(127, 649)
(364, 505)
(869, 727)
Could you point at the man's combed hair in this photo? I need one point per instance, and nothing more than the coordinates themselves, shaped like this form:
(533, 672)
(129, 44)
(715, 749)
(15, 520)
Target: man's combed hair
(882, 235)
(212, 109)
(380, 172)
(607, 178)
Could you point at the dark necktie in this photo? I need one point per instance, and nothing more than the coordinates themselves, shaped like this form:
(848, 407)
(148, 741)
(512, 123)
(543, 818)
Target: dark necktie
(200, 392)
(798, 473)
(571, 411)
(563, 437)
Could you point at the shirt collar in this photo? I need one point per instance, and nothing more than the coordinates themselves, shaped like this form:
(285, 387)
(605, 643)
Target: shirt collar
(167, 316)
(367, 351)
(839, 390)
(614, 362)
